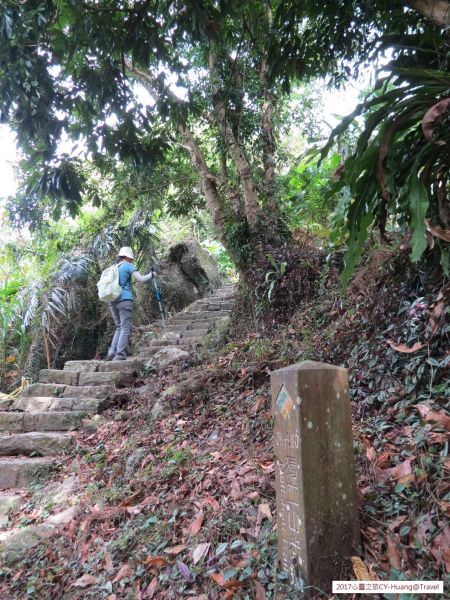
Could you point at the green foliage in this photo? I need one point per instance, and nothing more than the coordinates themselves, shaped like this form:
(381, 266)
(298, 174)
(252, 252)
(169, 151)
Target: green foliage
(398, 174)
(308, 203)
(225, 264)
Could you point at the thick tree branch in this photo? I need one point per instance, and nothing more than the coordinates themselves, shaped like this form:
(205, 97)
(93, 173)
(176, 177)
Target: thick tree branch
(436, 11)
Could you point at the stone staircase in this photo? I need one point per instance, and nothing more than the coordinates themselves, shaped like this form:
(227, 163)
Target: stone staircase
(186, 329)
(35, 427)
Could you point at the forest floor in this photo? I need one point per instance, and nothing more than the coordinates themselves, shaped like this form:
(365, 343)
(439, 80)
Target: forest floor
(182, 506)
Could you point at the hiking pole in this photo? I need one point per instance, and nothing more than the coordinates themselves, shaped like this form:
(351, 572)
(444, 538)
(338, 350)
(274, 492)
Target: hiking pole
(159, 299)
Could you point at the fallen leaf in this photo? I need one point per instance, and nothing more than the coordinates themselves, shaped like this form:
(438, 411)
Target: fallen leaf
(196, 525)
(264, 511)
(360, 569)
(124, 571)
(226, 583)
(108, 562)
(401, 471)
(395, 523)
(212, 502)
(175, 550)
(260, 592)
(392, 552)
(85, 581)
(151, 589)
(155, 561)
(370, 453)
(200, 552)
(439, 417)
(404, 348)
(259, 401)
(184, 570)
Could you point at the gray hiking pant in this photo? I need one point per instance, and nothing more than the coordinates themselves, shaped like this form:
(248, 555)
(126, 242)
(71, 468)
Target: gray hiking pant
(122, 313)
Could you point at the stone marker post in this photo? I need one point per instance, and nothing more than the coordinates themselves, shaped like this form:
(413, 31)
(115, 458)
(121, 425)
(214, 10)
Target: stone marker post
(317, 507)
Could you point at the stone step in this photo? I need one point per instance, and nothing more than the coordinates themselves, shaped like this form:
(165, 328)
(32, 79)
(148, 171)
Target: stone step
(44, 444)
(21, 472)
(82, 366)
(131, 365)
(194, 333)
(59, 377)
(114, 377)
(211, 305)
(162, 343)
(16, 422)
(45, 404)
(195, 326)
(66, 391)
(200, 316)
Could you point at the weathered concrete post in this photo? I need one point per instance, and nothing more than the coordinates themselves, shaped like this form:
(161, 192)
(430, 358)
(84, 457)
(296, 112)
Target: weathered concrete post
(317, 507)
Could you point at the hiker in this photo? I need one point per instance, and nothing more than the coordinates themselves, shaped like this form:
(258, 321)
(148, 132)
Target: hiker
(122, 308)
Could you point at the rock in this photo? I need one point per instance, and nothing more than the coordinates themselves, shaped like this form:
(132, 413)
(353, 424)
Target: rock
(187, 273)
(197, 265)
(120, 415)
(134, 461)
(157, 409)
(17, 543)
(9, 504)
(167, 356)
(58, 492)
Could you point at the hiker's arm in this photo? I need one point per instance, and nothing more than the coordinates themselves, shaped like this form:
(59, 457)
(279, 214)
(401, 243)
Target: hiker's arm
(142, 278)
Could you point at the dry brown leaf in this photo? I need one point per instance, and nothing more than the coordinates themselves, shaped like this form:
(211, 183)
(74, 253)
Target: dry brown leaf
(196, 525)
(392, 552)
(433, 116)
(439, 417)
(259, 401)
(403, 470)
(226, 583)
(85, 581)
(264, 511)
(260, 592)
(151, 589)
(175, 550)
(155, 561)
(124, 571)
(211, 501)
(200, 552)
(404, 348)
(395, 523)
(108, 562)
(360, 569)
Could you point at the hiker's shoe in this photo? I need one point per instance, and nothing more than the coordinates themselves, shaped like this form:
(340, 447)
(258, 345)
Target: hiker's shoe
(109, 357)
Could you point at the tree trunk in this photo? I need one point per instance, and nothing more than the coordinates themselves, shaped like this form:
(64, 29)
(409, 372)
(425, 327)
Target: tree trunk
(252, 210)
(436, 11)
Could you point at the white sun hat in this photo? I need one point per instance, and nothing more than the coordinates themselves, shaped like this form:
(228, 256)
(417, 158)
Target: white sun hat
(127, 252)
